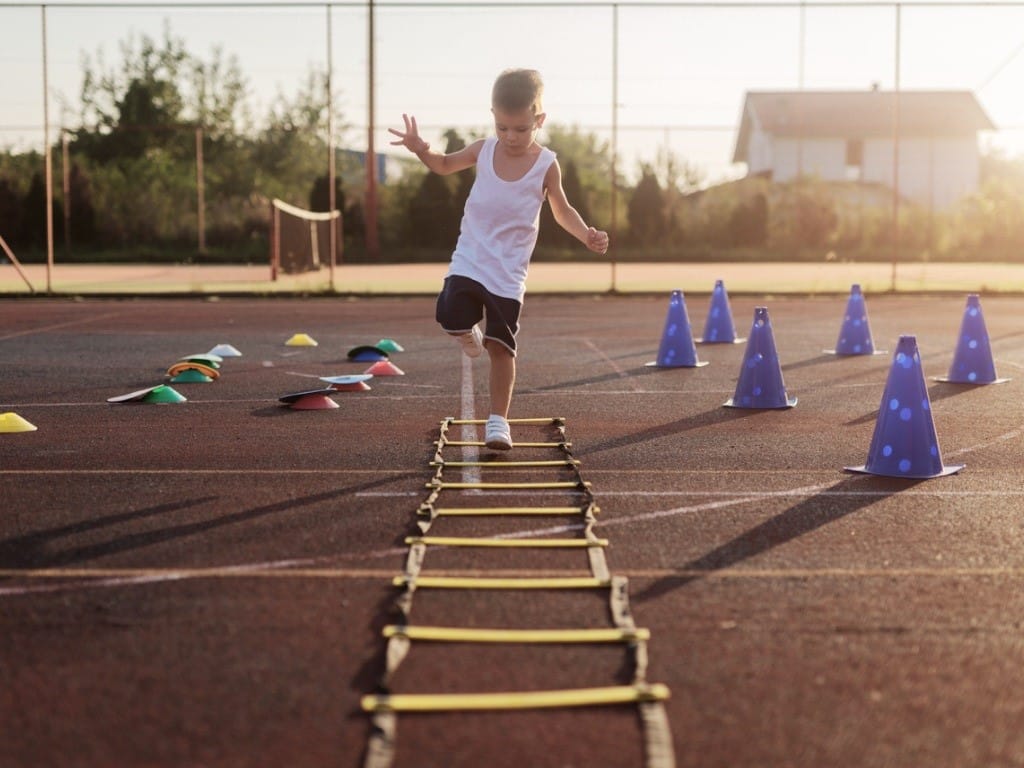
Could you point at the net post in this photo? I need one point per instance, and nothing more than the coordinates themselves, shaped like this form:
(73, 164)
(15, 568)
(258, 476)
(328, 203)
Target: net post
(14, 262)
(331, 170)
(275, 241)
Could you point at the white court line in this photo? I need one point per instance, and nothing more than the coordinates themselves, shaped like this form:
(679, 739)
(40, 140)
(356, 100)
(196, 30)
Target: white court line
(738, 498)
(810, 490)
(440, 396)
(55, 326)
(614, 366)
(734, 499)
(255, 568)
(1001, 439)
(1010, 363)
(469, 431)
(922, 492)
(254, 471)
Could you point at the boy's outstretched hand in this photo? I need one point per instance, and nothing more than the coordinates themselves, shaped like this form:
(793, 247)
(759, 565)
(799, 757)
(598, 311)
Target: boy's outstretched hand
(410, 138)
(597, 240)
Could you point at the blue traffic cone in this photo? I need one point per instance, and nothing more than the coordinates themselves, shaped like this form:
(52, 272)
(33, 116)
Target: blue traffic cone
(855, 333)
(677, 349)
(904, 443)
(718, 327)
(972, 361)
(760, 384)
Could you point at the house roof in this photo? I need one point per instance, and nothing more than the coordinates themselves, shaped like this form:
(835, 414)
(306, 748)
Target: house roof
(858, 115)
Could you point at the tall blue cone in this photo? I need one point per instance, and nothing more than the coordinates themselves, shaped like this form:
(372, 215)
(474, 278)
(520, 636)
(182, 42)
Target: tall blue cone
(904, 443)
(718, 327)
(972, 361)
(855, 333)
(760, 383)
(677, 349)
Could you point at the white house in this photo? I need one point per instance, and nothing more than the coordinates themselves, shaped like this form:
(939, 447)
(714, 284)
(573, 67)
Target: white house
(849, 135)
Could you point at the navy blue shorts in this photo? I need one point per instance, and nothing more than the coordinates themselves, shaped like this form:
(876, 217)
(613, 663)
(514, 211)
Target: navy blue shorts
(463, 302)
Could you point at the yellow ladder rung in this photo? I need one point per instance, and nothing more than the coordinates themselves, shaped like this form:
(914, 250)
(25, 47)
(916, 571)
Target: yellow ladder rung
(472, 511)
(510, 486)
(542, 420)
(456, 541)
(481, 444)
(578, 697)
(474, 582)
(503, 464)
(470, 635)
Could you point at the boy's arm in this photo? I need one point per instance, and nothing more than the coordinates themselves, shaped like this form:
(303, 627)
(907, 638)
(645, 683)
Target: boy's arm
(435, 161)
(568, 218)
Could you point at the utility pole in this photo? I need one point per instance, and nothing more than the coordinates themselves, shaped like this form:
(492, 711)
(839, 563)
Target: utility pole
(370, 214)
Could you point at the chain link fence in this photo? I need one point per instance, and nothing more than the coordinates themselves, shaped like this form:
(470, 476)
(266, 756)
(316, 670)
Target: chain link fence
(169, 127)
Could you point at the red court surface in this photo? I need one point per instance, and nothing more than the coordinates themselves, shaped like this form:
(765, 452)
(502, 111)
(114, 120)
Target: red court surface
(205, 583)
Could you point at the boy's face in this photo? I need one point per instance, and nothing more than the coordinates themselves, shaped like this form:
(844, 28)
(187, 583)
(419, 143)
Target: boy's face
(517, 130)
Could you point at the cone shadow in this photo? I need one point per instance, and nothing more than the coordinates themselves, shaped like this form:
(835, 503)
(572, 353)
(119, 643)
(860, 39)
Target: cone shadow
(811, 361)
(603, 378)
(816, 512)
(708, 418)
(32, 550)
(936, 392)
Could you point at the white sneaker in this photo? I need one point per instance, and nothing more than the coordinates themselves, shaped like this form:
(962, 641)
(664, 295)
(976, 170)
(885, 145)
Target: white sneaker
(472, 343)
(499, 436)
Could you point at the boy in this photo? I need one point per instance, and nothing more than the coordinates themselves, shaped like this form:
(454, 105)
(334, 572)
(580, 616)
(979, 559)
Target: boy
(487, 274)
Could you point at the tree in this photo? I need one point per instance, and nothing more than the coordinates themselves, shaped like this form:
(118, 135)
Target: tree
(292, 147)
(551, 234)
(319, 196)
(749, 222)
(80, 208)
(647, 211)
(803, 215)
(128, 111)
(435, 210)
(10, 212)
(591, 161)
(32, 231)
(680, 179)
(464, 179)
(432, 214)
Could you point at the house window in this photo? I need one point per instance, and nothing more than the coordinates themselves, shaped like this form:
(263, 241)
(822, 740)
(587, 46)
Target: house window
(854, 159)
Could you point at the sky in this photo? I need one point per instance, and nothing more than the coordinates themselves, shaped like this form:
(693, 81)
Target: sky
(682, 70)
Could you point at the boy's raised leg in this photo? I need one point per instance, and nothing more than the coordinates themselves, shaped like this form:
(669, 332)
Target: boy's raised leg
(472, 343)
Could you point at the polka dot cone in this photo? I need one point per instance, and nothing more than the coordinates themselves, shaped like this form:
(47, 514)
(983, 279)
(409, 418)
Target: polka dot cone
(904, 443)
(677, 349)
(972, 361)
(855, 333)
(760, 383)
(719, 327)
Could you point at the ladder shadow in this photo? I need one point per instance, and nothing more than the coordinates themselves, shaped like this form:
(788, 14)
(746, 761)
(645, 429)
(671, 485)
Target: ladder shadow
(805, 517)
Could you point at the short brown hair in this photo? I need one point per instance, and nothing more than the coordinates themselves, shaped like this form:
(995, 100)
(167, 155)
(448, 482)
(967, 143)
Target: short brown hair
(518, 89)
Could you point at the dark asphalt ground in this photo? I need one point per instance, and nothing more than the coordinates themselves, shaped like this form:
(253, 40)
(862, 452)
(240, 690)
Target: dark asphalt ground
(204, 584)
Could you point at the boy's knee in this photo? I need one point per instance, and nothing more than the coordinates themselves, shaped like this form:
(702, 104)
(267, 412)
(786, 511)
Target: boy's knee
(497, 349)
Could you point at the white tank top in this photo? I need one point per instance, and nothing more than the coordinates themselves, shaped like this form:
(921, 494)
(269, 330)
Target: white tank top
(499, 225)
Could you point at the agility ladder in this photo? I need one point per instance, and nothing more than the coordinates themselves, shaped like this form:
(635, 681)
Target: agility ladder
(385, 705)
